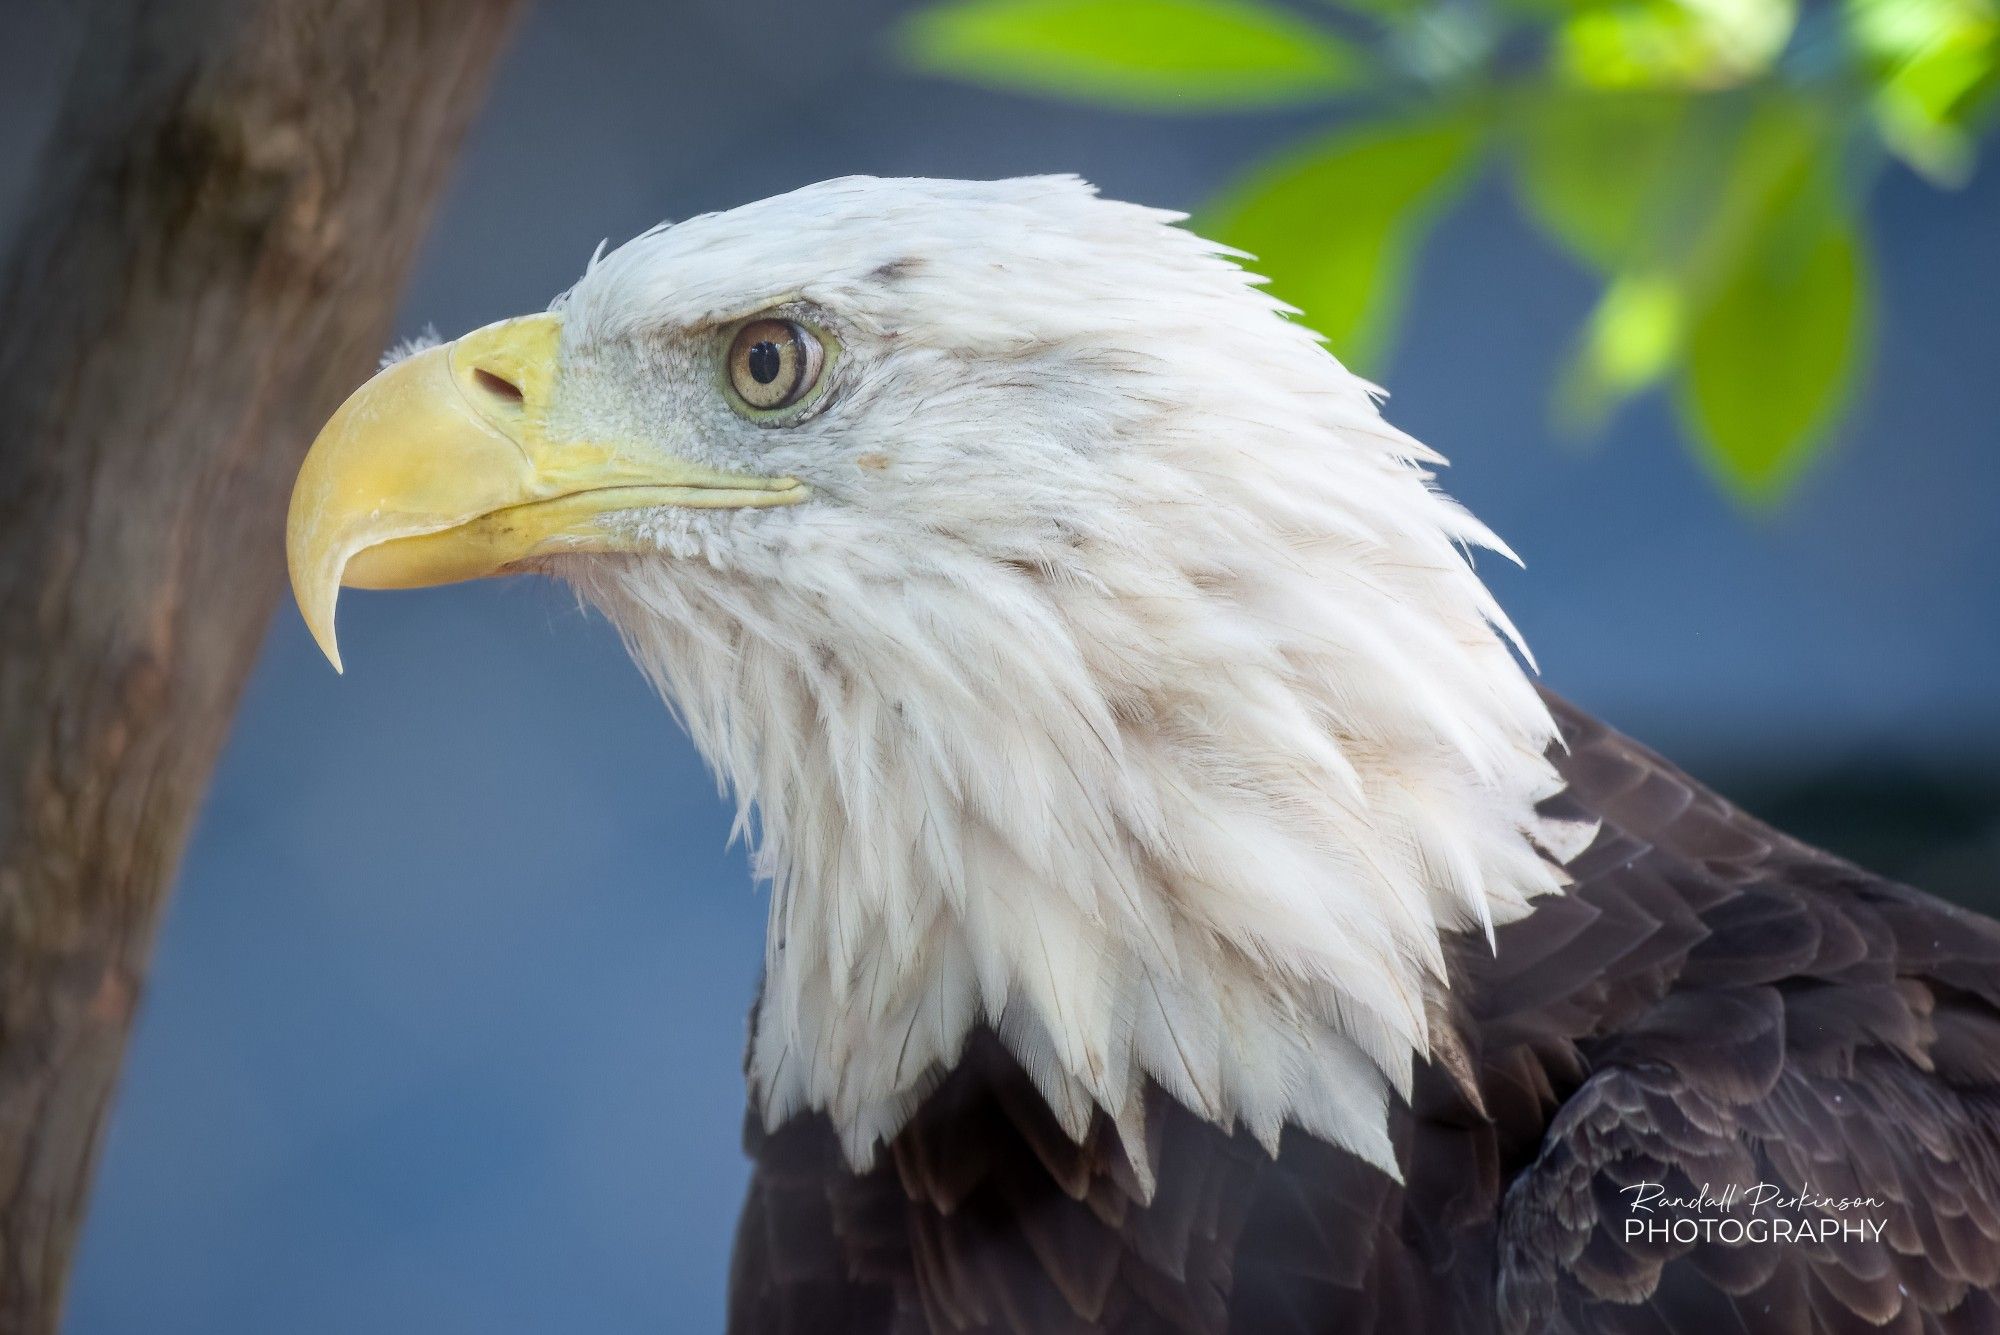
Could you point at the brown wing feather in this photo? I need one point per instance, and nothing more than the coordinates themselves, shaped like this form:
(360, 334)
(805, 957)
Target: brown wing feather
(1824, 1031)
(1711, 1002)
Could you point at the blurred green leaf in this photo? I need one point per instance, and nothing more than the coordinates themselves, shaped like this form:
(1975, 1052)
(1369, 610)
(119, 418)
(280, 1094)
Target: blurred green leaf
(1630, 343)
(1935, 63)
(1596, 169)
(1770, 354)
(1777, 155)
(1669, 226)
(1333, 224)
(1672, 43)
(1158, 55)
(1614, 177)
(1740, 270)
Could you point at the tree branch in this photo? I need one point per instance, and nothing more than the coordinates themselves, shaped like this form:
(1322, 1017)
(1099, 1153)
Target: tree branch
(231, 200)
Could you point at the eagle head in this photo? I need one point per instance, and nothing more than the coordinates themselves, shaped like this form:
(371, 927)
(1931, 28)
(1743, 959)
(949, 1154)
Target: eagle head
(1090, 661)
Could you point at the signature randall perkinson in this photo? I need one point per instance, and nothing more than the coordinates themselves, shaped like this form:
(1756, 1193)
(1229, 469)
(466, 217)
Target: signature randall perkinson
(1754, 1213)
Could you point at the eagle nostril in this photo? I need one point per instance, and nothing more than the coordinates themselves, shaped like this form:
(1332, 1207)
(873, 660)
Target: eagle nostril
(499, 386)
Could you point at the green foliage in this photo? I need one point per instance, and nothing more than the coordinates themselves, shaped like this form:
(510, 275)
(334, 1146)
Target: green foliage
(1728, 256)
(1704, 159)
(1595, 169)
(1934, 64)
(1334, 222)
(1157, 55)
(1671, 43)
(1778, 317)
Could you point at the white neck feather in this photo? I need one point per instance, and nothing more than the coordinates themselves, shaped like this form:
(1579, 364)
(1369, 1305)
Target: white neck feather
(1172, 766)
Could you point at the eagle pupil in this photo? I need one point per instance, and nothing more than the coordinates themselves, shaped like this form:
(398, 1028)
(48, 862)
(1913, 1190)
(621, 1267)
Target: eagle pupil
(764, 362)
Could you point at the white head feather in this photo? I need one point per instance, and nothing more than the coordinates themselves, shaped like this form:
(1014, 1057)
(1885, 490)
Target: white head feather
(1123, 686)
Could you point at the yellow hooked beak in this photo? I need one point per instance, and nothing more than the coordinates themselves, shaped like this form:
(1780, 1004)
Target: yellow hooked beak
(441, 469)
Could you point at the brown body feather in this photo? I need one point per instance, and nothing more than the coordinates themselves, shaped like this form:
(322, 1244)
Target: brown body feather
(1713, 1003)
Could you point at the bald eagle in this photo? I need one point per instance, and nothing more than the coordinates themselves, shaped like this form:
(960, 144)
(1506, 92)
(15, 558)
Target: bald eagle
(1186, 913)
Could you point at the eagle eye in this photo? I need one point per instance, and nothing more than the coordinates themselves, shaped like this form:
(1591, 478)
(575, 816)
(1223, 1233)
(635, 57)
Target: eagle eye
(774, 364)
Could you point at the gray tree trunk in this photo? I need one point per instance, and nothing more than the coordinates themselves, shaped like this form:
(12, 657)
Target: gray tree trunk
(230, 202)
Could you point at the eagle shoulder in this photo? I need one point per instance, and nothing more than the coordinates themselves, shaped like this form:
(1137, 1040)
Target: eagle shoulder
(1739, 1008)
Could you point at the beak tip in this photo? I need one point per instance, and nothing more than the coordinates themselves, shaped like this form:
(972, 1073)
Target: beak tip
(332, 652)
(323, 636)
(318, 616)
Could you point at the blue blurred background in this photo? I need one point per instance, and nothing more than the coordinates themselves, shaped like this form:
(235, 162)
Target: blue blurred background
(445, 1023)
